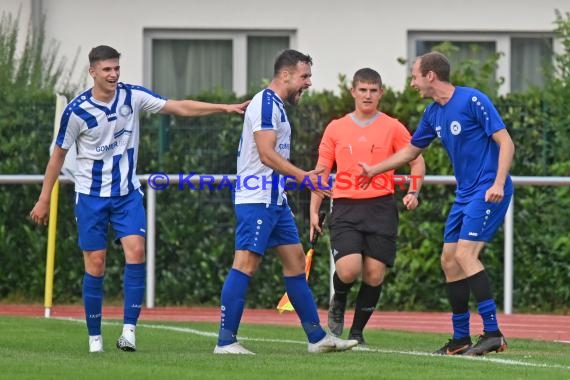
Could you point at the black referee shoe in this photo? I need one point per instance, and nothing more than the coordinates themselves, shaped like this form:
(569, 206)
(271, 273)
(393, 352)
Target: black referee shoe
(357, 335)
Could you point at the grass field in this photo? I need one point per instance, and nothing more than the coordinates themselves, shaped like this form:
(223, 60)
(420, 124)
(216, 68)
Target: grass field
(38, 348)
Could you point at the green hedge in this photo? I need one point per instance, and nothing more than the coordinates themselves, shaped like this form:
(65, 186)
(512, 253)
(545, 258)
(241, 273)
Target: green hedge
(195, 229)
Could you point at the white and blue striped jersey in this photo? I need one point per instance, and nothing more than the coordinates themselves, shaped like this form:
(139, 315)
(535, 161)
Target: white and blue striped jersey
(257, 183)
(107, 138)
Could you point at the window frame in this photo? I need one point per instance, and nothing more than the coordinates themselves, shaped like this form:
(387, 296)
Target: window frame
(502, 42)
(239, 47)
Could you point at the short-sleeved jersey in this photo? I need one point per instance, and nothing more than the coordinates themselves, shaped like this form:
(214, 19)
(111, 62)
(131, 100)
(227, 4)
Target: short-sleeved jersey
(347, 142)
(256, 182)
(107, 139)
(465, 125)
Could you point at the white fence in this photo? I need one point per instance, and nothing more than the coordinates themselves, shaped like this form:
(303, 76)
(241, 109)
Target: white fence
(429, 180)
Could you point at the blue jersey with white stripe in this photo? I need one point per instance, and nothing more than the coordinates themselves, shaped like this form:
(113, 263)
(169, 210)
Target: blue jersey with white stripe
(107, 138)
(257, 183)
(465, 125)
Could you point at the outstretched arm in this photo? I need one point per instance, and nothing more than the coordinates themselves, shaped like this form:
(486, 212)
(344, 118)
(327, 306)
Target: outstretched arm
(196, 108)
(265, 141)
(401, 157)
(40, 212)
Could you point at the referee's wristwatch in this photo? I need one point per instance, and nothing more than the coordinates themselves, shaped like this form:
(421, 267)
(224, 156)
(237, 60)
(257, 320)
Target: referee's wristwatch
(414, 193)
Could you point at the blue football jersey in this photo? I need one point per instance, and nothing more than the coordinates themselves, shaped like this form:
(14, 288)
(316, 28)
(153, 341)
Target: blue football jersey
(465, 125)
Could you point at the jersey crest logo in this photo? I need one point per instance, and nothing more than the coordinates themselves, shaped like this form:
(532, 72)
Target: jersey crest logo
(455, 128)
(125, 110)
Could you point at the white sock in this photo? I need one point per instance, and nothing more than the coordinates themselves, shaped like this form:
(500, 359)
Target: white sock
(129, 332)
(95, 343)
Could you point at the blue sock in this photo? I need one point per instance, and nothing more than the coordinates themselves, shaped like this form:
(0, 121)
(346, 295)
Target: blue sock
(134, 280)
(302, 300)
(461, 325)
(488, 311)
(93, 302)
(233, 302)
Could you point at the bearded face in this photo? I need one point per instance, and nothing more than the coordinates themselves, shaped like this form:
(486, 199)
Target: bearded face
(298, 80)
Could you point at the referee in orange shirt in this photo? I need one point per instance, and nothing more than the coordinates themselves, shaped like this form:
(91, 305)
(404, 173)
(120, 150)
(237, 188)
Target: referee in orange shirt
(364, 222)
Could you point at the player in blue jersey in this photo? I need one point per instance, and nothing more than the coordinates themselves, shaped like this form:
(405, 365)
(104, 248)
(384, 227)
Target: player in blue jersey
(264, 219)
(103, 122)
(481, 152)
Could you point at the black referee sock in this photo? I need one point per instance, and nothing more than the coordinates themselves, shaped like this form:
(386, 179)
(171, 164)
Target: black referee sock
(341, 289)
(366, 301)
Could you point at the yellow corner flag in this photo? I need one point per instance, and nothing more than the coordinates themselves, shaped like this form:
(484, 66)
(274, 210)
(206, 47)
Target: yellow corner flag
(284, 303)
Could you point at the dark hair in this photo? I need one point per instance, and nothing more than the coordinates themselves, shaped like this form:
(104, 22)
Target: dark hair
(367, 75)
(101, 53)
(290, 58)
(436, 62)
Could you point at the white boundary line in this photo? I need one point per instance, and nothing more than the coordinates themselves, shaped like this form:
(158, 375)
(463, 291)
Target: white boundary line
(208, 334)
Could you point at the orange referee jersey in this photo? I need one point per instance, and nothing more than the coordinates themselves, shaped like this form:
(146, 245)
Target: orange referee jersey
(347, 141)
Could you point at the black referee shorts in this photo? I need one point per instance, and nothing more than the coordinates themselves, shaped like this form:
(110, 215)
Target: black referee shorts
(366, 226)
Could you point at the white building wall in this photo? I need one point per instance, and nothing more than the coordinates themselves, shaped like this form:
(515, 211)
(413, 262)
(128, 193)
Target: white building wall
(341, 36)
(13, 8)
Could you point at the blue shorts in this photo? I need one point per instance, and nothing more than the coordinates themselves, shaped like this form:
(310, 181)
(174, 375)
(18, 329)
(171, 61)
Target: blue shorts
(476, 220)
(260, 226)
(125, 214)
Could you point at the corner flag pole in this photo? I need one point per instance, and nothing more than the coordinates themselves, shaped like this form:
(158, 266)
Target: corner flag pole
(284, 303)
(60, 102)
